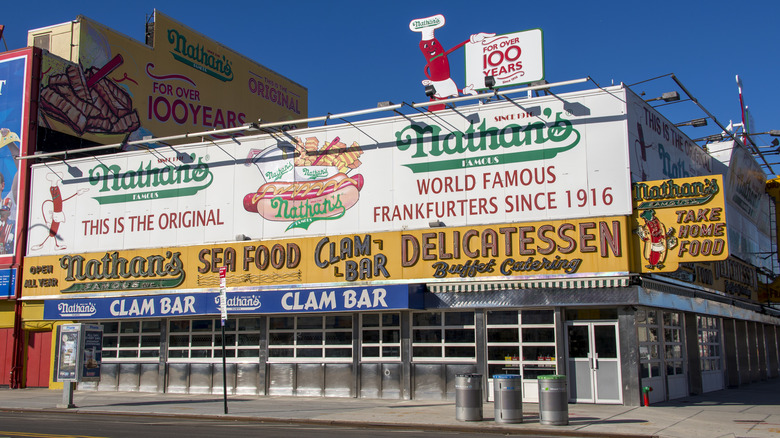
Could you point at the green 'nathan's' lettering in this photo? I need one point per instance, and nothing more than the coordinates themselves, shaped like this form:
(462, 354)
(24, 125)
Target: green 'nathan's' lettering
(200, 58)
(431, 141)
(163, 182)
(670, 194)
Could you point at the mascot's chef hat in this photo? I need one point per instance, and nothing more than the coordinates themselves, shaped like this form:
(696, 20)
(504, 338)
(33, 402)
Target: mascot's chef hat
(647, 214)
(426, 26)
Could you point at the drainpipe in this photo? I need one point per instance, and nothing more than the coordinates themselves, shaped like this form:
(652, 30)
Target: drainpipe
(17, 359)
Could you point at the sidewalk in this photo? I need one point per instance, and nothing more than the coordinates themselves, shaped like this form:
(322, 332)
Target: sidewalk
(750, 411)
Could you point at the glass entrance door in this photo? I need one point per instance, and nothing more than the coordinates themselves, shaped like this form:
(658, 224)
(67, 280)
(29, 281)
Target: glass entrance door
(594, 362)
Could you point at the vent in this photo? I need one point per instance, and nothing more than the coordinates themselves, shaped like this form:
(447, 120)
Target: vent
(42, 41)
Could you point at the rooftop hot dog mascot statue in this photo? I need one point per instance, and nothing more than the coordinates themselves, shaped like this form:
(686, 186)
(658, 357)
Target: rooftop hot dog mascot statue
(437, 65)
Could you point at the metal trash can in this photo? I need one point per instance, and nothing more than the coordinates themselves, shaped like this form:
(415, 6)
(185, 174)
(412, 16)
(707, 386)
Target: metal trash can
(553, 400)
(508, 398)
(468, 397)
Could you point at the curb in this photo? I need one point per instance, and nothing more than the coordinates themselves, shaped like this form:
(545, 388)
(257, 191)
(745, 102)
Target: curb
(482, 426)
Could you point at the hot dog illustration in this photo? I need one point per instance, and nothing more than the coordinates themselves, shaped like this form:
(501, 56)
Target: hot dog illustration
(657, 239)
(54, 215)
(305, 181)
(329, 197)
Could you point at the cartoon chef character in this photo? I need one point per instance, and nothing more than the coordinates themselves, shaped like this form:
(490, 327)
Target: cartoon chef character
(656, 238)
(437, 66)
(54, 212)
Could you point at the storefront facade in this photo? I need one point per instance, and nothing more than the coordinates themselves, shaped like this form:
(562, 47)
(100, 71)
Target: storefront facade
(383, 258)
(416, 353)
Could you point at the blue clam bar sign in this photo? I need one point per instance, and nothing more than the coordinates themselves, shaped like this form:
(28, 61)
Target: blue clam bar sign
(346, 299)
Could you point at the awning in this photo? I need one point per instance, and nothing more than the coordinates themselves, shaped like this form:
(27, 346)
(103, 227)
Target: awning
(568, 283)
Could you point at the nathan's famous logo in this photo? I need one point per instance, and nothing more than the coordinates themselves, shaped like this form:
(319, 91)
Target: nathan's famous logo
(76, 309)
(241, 302)
(114, 273)
(429, 141)
(304, 182)
(425, 23)
(670, 194)
(147, 182)
(199, 57)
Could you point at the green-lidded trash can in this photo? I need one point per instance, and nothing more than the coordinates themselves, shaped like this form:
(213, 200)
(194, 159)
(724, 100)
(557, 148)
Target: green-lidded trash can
(508, 398)
(553, 400)
(468, 397)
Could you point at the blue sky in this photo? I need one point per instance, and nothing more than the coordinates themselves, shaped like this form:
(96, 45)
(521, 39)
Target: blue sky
(352, 54)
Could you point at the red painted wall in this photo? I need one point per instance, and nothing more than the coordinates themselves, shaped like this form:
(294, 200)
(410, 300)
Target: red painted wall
(6, 354)
(38, 359)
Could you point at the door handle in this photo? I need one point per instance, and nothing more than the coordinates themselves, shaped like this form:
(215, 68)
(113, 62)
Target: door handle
(595, 361)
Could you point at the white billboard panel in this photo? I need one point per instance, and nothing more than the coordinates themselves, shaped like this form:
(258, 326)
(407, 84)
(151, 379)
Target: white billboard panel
(659, 150)
(554, 157)
(747, 201)
(512, 59)
(747, 182)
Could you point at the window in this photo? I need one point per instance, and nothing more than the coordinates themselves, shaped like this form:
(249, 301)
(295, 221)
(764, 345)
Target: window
(202, 339)
(673, 343)
(443, 335)
(521, 342)
(307, 337)
(42, 41)
(661, 343)
(649, 332)
(380, 335)
(138, 340)
(709, 343)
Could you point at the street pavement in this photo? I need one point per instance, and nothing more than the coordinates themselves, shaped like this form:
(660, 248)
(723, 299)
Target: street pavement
(749, 411)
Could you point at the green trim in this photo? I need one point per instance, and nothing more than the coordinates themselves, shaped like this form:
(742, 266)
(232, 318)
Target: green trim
(118, 285)
(668, 203)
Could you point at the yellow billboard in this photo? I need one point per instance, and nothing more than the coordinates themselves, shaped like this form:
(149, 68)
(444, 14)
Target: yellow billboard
(550, 249)
(679, 220)
(113, 88)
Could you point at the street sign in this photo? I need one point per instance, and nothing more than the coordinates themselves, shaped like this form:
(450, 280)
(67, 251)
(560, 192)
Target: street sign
(222, 294)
